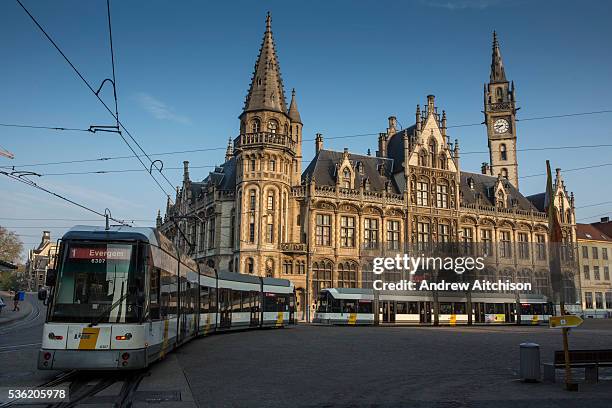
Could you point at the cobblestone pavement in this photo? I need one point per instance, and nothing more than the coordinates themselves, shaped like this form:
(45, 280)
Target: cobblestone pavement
(385, 366)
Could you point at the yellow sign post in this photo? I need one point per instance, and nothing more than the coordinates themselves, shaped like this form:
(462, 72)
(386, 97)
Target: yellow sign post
(565, 322)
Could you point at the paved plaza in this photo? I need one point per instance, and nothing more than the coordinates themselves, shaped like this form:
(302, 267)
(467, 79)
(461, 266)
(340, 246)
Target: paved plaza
(386, 366)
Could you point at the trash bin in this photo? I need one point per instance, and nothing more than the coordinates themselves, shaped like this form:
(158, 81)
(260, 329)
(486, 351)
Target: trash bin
(530, 362)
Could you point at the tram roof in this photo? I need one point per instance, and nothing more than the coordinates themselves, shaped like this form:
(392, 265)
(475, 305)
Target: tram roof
(119, 232)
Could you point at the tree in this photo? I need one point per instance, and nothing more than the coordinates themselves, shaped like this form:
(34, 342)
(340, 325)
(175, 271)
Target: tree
(10, 246)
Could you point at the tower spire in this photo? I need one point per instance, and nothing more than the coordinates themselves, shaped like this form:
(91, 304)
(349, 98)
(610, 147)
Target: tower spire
(266, 91)
(497, 66)
(294, 114)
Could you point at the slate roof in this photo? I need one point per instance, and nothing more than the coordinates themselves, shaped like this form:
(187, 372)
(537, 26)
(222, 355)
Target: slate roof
(605, 227)
(589, 231)
(323, 168)
(538, 201)
(395, 147)
(223, 177)
(483, 185)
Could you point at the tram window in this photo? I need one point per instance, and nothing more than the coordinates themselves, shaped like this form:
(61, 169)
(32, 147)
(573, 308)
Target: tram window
(256, 301)
(236, 300)
(538, 309)
(446, 308)
(212, 293)
(499, 308)
(364, 306)
(204, 299)
(400, 308)
(526, 309)
(459, 308)
(413, 307)
(154, 293)
(490, 308)
(322, 304)
(350, 306)
(224, 299)
(169, 294)
(270, 303)
(336, 306)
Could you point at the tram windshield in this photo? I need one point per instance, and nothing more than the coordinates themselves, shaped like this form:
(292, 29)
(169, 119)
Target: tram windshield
(98, 282)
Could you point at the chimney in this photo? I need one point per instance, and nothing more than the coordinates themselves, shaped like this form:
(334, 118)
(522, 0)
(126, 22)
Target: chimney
(430, 105)
(382, 145)
(186, 171)
(46, 237)
(418, 118)
(318, 143)
(605, 220)
(392, 129)
(485, 169)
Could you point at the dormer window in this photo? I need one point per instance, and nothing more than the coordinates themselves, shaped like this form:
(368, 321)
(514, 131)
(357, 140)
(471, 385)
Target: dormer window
(423, 158)
(501, 199)
(366, 185)
(443, 161)
(432, 153)
(504, 173)
(346, 178)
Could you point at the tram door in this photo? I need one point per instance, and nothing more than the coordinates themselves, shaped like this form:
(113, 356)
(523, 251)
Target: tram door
(425, 312)
(510, 312)
(388, 312)
(479, 312)
(183, 303)
(291, 309)
(225, 308)
(255, 308)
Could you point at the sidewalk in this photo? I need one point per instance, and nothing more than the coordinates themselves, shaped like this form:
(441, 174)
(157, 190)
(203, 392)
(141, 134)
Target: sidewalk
(7, 315)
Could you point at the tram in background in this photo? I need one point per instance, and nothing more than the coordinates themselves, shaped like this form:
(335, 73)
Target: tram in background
(356, 306)
(124, 297)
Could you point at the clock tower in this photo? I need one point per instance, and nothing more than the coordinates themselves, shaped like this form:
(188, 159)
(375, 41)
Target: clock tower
(500, 118)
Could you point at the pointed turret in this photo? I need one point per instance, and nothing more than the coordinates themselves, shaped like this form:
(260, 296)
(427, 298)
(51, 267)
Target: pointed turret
(294, 114)
(497, 65)
(229, 151)
(266, 91)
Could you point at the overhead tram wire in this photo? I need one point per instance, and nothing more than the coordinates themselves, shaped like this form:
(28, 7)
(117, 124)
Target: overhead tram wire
(35, 185)
(61, 219)
(15, 125)
(303, 140)
(101, 159)
(115, 116)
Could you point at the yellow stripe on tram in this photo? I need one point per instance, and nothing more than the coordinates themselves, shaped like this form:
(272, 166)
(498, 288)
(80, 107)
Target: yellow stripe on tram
(534, 319)
(352, 318)
(453, 319)
(162, 353)
(89, 338)
(279, 319)
(207, 327)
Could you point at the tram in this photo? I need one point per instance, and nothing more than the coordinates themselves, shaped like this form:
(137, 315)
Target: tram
(124, 297)
(348, 306)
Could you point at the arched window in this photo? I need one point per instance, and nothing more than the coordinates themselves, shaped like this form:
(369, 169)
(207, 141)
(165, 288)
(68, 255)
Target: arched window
(269, 268)
(498, 93)
(250, 266)
(504, 173)
(423, 158)
(321, 276)
(272, 126)
(346, 178)
(501, 199)
(432, 152)
(271, 200)
(256, 126)
(503, 152)
(347, 275)
(272, 165)
(443, 161)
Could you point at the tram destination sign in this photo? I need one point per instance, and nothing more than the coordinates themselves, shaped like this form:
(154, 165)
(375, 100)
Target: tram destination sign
(115, 252)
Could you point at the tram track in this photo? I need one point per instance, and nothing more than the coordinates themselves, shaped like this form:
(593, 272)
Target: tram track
(32, 317)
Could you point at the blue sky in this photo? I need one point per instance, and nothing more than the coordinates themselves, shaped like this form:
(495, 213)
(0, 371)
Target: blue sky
(183, 69)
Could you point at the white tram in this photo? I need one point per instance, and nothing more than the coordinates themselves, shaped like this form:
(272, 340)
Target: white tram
(355, 306)
(124, 297)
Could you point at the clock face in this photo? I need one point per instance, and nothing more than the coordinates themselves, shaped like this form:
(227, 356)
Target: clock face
(501, 126)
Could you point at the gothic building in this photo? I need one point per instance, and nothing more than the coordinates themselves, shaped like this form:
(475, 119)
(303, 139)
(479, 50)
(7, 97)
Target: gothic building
(259, 213)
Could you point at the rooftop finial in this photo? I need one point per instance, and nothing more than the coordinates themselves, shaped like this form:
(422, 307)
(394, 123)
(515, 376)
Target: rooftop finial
(268, 22)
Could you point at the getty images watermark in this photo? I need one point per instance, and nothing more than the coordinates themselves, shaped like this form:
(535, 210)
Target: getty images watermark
(419, 264)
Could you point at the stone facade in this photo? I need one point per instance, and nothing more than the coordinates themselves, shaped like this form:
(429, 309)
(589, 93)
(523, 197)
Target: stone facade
(259, 213)
(39, 260)
(594, 255)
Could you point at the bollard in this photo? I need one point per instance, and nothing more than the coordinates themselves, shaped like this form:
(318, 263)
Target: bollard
(530, 362)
